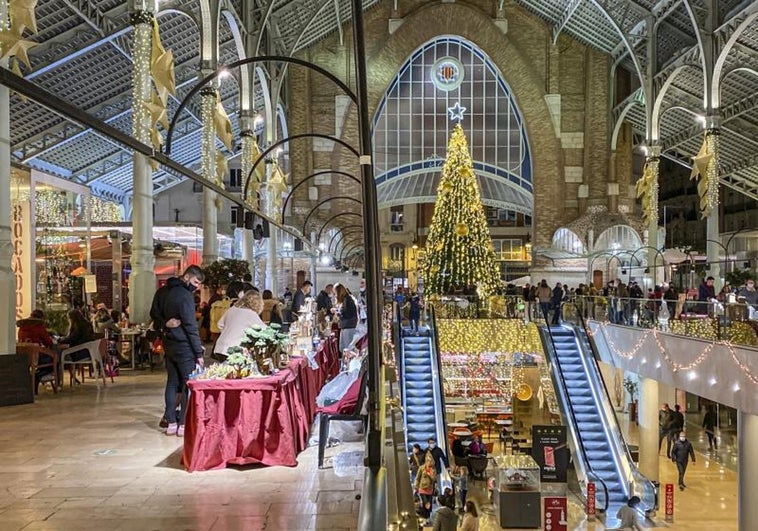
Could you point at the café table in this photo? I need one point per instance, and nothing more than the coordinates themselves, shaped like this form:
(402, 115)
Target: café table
(255, 420)
(129, 336)
(454, 425)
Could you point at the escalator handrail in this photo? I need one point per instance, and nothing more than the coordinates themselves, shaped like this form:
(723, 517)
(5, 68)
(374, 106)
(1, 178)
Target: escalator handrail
(399, 354)
(437, 361)
(596, 356)
(570, 409)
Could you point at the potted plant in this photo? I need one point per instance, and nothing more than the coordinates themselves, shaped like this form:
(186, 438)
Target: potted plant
(265, 346)
(631, 388)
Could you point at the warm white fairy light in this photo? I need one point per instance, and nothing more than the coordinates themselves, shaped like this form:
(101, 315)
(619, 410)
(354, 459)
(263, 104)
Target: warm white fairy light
(208, 145)
(4, 21)
(143, 30)
(712, 145)
(652, 204)
(246, 162)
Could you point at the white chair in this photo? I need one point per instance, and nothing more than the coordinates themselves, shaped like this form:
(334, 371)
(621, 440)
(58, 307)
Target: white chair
(96, 350)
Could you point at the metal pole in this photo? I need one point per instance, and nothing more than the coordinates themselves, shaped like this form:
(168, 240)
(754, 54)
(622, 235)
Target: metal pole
(374, 439)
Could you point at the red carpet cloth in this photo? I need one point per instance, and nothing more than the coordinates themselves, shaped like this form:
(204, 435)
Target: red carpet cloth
(256, 420)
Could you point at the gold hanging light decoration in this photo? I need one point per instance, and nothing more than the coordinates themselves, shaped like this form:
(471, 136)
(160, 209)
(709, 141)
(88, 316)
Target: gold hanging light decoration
(647, 189)
(223, 124)
(705, 171)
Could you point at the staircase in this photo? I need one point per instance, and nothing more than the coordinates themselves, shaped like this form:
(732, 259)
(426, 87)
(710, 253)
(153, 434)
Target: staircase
(419, 398)
(587, 419)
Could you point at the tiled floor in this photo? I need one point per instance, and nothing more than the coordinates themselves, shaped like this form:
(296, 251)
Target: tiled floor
(84, 460)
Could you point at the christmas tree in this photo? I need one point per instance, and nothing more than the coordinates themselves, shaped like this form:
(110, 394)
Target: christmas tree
(459, 252)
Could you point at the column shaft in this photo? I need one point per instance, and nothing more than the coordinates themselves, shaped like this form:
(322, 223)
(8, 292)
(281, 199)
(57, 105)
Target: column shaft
(652, 220)
(747, 471)
(713, 233)
(246, 162)
(142, 279)
(7, 277)
(208, 161)
(648, 421)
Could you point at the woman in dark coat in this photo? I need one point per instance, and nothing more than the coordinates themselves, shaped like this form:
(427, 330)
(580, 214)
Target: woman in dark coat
(79, 332)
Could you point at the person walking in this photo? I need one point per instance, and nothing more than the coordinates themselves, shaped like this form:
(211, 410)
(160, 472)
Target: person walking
(681, 454)
(665, 420)
(173, 314)
(415, 461)
(710, 421)
(544, 294)
(677, 424)
(426, 480)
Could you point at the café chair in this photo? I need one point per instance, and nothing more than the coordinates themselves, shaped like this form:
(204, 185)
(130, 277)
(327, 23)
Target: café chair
(478, 466)
(96, 350)
(32, 351)
(347, 408)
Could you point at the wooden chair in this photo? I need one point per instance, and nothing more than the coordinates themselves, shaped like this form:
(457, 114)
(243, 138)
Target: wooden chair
(32, 351)
(347, 408)
(96, 350)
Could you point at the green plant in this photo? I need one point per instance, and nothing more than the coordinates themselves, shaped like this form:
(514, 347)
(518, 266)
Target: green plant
(223, 272)
(631, 387)
(738, 277)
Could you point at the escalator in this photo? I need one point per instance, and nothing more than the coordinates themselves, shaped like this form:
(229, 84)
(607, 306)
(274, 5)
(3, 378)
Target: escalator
(422, 403)
(601, 455)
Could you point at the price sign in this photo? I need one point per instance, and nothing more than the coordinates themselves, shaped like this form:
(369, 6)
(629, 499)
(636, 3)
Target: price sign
(556, 513)
(591, 501)
(669, 502)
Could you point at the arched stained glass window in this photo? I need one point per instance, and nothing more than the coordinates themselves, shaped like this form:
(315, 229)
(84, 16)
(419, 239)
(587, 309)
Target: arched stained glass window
(413, 123)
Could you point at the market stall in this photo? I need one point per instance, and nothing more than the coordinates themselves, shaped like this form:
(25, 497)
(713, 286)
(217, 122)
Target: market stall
(256, 420)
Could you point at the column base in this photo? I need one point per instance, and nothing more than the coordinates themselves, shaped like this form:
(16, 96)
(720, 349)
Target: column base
(15, 384)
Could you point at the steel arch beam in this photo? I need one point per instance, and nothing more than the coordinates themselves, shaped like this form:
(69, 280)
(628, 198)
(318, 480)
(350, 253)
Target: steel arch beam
(250, 60)
(313, 176)
(342, 234)
(340, 214)
(278, 143)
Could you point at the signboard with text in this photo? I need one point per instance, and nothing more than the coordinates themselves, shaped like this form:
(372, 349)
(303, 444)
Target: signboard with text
(550, 450)
(669, 502)
(591, 509)
(556, 513)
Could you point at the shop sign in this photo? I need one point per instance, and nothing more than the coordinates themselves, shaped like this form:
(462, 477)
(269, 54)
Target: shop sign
(591, 501)
(669, 502)
(550, 450)
(90, 284)
(21, 262)
(556, 513)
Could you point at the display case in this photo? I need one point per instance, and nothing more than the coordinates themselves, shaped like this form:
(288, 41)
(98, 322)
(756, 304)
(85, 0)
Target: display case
(517, 491)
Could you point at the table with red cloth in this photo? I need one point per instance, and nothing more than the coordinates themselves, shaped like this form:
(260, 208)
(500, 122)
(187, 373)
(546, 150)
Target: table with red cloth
(255, 420)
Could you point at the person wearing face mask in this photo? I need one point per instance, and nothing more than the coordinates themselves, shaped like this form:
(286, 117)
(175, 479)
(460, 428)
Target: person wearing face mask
(437, 454)
(173, 314)
(681, 454)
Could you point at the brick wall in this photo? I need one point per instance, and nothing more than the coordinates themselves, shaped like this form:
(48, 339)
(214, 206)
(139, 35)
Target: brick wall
(570, 157)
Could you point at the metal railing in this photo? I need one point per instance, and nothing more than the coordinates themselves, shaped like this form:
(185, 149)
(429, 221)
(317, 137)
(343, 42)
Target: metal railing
(567, 407)
(647, 488)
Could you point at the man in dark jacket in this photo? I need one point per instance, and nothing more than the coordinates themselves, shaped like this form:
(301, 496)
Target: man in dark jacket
(173, 314)
(710, 421)
(677, 423)
(299, 298)
(681, 453)
(437, 454)
(665, 421)
(324, 299)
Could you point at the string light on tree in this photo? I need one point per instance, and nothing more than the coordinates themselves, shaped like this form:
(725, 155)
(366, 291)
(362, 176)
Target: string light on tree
(458, 250)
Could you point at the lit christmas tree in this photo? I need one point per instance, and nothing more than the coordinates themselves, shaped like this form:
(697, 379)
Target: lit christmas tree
(459, 252)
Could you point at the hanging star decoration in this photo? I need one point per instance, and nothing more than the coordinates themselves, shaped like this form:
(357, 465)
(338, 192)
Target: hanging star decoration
(158, 114)
(162, 67)
(223, 124)
(456, 112)
(700, 164)
(260, 171)
(14, 45)
(22, 15)
(222, 167)
(277, 185)
(644, 188)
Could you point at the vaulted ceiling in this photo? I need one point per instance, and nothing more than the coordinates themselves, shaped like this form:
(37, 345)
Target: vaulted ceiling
(84, 56)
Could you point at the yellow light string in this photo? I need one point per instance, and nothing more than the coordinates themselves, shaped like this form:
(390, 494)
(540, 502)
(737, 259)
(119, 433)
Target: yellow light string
(676, 367)
(712, 193)
(208, 141)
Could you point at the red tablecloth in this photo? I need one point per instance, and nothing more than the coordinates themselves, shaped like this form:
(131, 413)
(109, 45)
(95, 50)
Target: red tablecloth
(256, 420)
